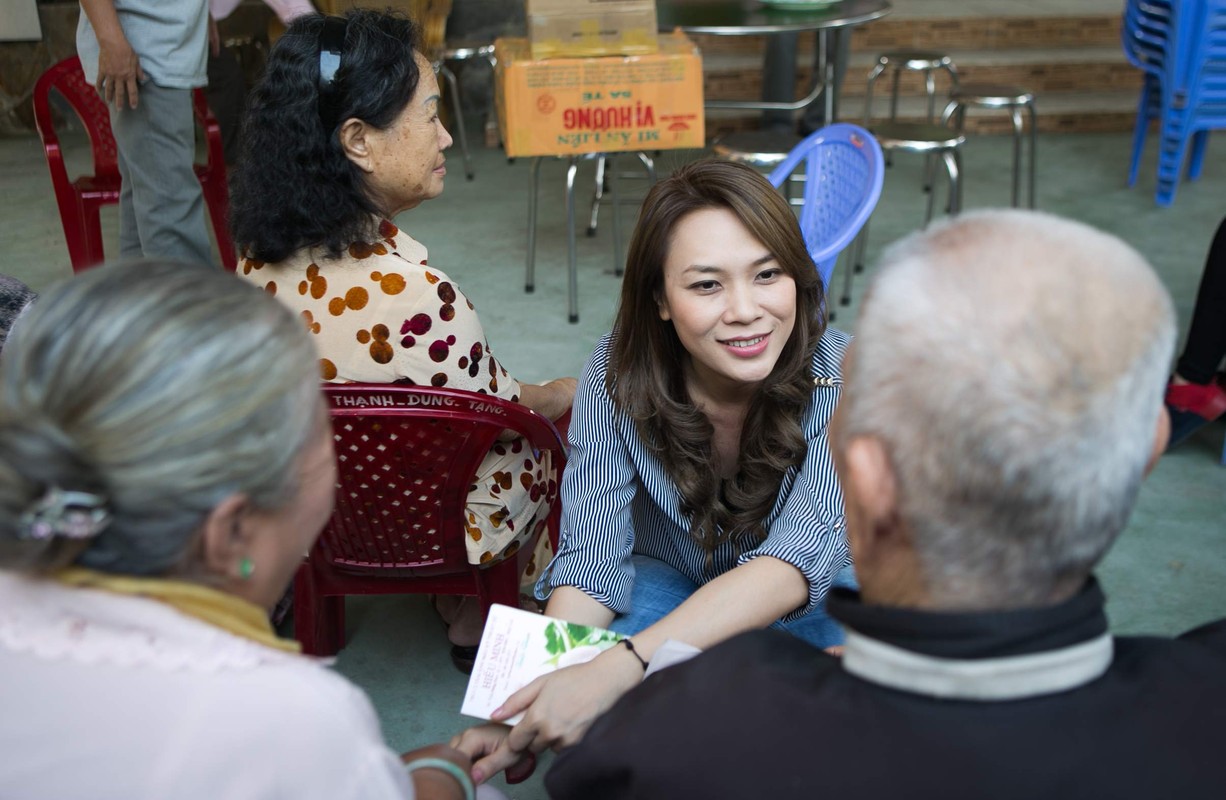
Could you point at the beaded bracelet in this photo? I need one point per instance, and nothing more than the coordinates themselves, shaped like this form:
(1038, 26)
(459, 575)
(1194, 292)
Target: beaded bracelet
(462, 777)
(630, 646)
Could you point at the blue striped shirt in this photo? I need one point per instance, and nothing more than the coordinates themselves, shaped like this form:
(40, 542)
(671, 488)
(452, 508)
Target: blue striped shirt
(617, 499)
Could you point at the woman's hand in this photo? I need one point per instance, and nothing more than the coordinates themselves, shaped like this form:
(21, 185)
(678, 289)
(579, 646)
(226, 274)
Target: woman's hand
(560, 707)
(436, 784)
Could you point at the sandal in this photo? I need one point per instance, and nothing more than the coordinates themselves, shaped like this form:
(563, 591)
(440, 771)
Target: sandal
(464, 657)
(1193, 405)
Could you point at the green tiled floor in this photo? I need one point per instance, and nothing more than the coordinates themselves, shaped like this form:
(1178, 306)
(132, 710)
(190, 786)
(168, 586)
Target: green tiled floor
(1167, 573)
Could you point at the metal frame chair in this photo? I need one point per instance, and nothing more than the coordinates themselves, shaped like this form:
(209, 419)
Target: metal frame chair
(406, 458)
(844, 170)
(80, 200)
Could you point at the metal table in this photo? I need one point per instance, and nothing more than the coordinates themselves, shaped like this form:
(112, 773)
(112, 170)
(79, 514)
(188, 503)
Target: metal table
(752, 18)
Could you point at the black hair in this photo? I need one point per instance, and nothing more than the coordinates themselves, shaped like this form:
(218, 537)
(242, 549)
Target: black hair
(294, 186)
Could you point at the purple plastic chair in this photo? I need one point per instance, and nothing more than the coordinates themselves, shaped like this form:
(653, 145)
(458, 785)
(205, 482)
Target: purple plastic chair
(843, 169)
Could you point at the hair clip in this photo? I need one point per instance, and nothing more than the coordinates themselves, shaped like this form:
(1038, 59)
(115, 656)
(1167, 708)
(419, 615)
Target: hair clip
(331, 50)
(73, 515)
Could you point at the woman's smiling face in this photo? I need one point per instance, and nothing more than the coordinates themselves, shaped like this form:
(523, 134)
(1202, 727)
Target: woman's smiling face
(732, 306)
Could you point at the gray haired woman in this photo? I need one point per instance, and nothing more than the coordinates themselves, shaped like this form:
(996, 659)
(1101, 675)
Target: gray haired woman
(165, 461)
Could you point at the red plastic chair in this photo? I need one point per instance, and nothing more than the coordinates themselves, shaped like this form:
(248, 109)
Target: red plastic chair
(406, 456)
(80, 200)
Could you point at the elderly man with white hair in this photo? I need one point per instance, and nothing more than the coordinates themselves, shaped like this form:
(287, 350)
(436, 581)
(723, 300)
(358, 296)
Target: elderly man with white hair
(1002, 402)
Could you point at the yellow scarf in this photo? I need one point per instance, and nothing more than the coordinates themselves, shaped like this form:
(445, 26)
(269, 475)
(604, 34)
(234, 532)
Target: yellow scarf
(220, 609)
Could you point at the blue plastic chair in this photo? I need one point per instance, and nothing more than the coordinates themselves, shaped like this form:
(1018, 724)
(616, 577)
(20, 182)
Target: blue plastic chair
(1182, 49)
(843, 169)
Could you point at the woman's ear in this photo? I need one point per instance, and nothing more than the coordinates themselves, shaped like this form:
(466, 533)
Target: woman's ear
(356, 143)
(662, 305)
(225, 538)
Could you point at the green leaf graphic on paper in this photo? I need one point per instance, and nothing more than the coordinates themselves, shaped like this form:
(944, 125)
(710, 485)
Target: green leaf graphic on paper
(562, 637)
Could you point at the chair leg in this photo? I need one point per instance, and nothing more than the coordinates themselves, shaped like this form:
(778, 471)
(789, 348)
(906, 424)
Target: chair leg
(1141, 127)
(218, 202)
(319, 621)
(498, 584)
(530, 266)
(453, 89)
(90, 244)
(1200, 142)
(572, 275)
(1015, 113)
(597, 195)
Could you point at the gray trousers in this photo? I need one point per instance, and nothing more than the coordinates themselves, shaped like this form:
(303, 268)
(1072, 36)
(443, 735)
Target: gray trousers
(161, 206)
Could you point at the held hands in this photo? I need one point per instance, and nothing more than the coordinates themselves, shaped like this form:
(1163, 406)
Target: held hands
(559, 708)
(434, 784)
(119, 72)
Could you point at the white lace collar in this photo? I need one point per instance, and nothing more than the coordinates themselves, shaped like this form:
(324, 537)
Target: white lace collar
(54, 622)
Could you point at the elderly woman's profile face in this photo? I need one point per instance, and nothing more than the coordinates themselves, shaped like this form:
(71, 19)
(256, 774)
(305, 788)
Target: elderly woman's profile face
(408, 156)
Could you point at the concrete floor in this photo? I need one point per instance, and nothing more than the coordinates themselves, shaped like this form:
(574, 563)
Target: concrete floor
(1167, 573)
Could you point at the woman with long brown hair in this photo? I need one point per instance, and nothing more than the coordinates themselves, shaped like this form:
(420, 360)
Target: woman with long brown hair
(699, 500)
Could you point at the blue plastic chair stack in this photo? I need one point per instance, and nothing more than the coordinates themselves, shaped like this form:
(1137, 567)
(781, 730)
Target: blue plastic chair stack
(1181, 46)
(843, 169)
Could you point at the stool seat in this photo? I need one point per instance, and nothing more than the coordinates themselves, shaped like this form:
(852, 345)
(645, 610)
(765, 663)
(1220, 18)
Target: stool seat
(915, 59)
(917, 137)
(466, 51)
(761, 149)
(991, 95)
(1012, 99)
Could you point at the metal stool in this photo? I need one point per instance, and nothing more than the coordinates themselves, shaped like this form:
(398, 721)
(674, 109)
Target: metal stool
(925, 61)
(914, 137)
(463, 52)
(763, 150)
(572, 266)
(1009, 97)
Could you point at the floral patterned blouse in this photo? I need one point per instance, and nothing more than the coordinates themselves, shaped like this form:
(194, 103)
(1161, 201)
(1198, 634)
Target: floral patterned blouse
(380, 314)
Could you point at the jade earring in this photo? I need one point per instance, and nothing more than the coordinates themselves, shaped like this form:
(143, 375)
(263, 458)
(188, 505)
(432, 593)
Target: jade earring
(246, 568)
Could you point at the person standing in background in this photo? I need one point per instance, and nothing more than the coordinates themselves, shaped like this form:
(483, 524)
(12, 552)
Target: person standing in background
(227, 90)
(145, 57)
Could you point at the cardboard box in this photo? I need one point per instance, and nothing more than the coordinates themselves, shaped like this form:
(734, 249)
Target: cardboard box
(588, 28)
(566, 106)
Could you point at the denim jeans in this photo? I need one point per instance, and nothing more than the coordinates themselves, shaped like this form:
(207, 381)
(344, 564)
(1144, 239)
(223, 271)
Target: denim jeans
(658, 589)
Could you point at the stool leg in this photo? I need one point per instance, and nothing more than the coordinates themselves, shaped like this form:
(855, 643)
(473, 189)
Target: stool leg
(649, 165)
(597, 196)
(1034, 138)
(953, 164)
(453, 89)
(572, 277)
(530, 267)
(932, 196)
(894, 96)
(868, 93)
(930, 87)
(618, 259)
(1016, 113)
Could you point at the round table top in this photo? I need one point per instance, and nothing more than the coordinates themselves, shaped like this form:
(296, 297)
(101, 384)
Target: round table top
(748, 17)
